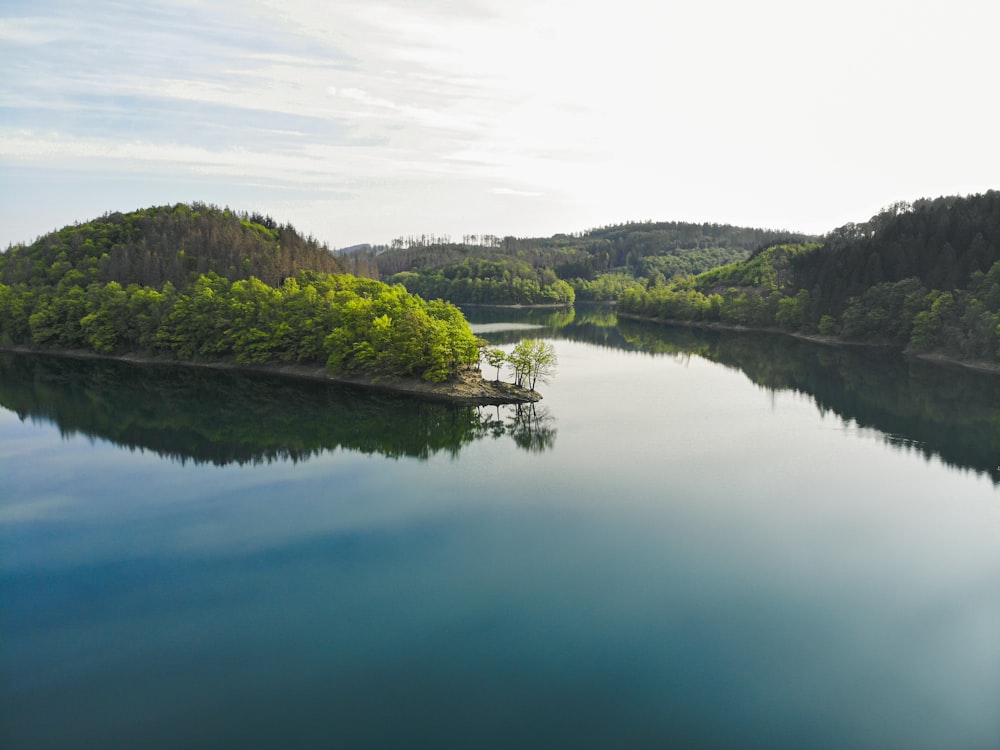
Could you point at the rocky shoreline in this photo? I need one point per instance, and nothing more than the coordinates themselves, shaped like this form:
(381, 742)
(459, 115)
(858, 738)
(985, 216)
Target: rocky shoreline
(468, 388)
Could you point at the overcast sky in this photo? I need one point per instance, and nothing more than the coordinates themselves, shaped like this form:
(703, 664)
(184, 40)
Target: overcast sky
(364, 120)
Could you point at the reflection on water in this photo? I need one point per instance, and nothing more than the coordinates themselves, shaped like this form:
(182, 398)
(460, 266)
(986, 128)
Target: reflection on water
(592, 324)
(695, 563)
(531, 426)
(223, 417)
(949, 412)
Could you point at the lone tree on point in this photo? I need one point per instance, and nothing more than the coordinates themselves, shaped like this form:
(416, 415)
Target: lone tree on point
(532, 361)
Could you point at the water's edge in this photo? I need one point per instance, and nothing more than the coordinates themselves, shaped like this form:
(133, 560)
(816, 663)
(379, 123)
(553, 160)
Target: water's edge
(934, 357)
(469, 388)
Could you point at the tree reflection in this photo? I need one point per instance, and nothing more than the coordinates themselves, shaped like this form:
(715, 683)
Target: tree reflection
(589, 322)
(531, 426)
(948, 412)
(223, 417)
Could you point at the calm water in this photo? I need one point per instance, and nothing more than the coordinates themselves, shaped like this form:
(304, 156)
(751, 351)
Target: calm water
(695, 541)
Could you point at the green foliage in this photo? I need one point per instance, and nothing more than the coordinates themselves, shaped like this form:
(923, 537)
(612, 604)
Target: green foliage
(689, 262)
(750, 293)
(792, 312)
(496, 358)
(495, 282)
(57, 294)
(767, 271)
(827, 325)
(597, 265)
(532, 360)
(389, 332)
(885, 312)
(177, 243)
(605, 287)
(926, 277)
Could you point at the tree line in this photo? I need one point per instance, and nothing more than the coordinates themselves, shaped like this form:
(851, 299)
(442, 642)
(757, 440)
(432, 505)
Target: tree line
(174, 244)
(597, 265)
(925, 276)
(351, 325)
(496, 282)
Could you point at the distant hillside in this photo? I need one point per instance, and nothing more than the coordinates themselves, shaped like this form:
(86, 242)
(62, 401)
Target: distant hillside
(925, 276)
(176, 243)
(674, 248)
(598, 264)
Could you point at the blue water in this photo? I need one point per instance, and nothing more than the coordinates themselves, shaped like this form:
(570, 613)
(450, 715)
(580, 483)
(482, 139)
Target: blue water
(688, 560)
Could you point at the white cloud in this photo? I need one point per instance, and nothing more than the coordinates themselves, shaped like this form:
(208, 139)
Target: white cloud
(771, 113)
(519, 193)
(31, 31)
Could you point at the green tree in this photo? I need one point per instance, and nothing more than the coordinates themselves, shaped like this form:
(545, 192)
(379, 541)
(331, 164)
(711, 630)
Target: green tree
(496, 358)
(532, 360)
(108, 322)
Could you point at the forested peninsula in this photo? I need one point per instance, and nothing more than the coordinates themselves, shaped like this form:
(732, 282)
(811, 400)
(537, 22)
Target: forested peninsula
(198, 284)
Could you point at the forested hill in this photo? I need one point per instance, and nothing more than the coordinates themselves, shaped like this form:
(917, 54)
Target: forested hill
(646, 247)
(175, 244)
(941, 243)
(598, 264)
(632, 246)
(202, 284)
(924, 275)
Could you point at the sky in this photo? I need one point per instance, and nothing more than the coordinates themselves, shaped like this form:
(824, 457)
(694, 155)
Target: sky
(365, 120)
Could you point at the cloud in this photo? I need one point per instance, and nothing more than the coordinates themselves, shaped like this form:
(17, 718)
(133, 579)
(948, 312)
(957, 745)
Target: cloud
(512, 191)
(31, 32)
(165, 158)
(715, 110)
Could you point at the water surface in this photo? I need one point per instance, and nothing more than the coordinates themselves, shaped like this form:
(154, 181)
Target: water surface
(700, 540)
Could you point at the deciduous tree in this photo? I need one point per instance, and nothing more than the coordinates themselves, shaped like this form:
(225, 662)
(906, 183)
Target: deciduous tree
(532, 360)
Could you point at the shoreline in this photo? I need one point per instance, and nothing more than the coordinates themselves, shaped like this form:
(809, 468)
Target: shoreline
(541, 306)
(934, 358)
(470, 388)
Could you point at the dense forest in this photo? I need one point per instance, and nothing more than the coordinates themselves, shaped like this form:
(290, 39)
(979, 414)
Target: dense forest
(175, 244)
(91, 287)
(924, 276)
(200, 282)
(497, 282)
(596, 265)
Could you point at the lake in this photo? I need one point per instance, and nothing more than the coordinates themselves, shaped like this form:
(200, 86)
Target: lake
(697, 539)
